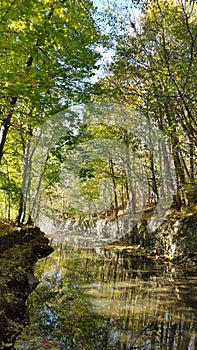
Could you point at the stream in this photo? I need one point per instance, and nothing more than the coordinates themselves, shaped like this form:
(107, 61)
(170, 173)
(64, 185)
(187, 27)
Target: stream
(94, 298)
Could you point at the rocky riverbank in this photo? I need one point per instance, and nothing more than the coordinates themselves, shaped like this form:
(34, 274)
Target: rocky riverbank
(20, 248)
(174, 240)
(171, 238)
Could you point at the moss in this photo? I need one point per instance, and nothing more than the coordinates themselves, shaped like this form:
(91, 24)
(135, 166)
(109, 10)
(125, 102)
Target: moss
(19, 250)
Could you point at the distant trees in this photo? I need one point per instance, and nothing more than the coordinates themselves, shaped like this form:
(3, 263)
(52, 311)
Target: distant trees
(155, 71)
(152, 72)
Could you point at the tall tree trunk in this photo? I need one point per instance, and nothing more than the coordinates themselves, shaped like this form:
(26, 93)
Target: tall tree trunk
(114, 187)
(6, 125)
(20, 211)
(153, 177)
(180, 174)
(131, 192)
(24, 183)
(7, 120)
(191, 158)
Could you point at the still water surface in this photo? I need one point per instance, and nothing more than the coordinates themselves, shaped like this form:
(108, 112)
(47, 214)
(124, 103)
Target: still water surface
(98, 299)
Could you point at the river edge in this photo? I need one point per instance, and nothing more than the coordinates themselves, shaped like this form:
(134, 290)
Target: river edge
(173, 242)
(170, 239)
(20, 248)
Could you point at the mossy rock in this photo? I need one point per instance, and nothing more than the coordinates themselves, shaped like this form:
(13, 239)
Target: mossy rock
(20, 248)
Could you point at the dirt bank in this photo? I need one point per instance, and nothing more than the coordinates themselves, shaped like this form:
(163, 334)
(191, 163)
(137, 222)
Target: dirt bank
(20, 248)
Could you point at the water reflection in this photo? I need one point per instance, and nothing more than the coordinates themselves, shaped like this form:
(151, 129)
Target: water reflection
(100, 299)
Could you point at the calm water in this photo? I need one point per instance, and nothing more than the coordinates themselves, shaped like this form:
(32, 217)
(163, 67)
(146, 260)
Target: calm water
(97, 299)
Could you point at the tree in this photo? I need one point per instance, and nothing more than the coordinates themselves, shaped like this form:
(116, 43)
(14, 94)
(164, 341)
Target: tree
(154, 71)
(47, 54)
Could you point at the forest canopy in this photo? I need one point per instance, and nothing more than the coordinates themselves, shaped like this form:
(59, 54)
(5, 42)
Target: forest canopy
(50, 51)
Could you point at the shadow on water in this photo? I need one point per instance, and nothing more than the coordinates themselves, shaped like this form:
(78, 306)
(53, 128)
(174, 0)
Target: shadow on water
(99, 299)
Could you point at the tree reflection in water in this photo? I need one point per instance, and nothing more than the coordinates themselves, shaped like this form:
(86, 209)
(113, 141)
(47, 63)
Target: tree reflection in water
(101, 299)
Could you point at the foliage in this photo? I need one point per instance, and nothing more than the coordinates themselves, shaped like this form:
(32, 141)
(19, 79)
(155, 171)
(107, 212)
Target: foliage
(47, 55)
(49, 52)
(154, 71)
